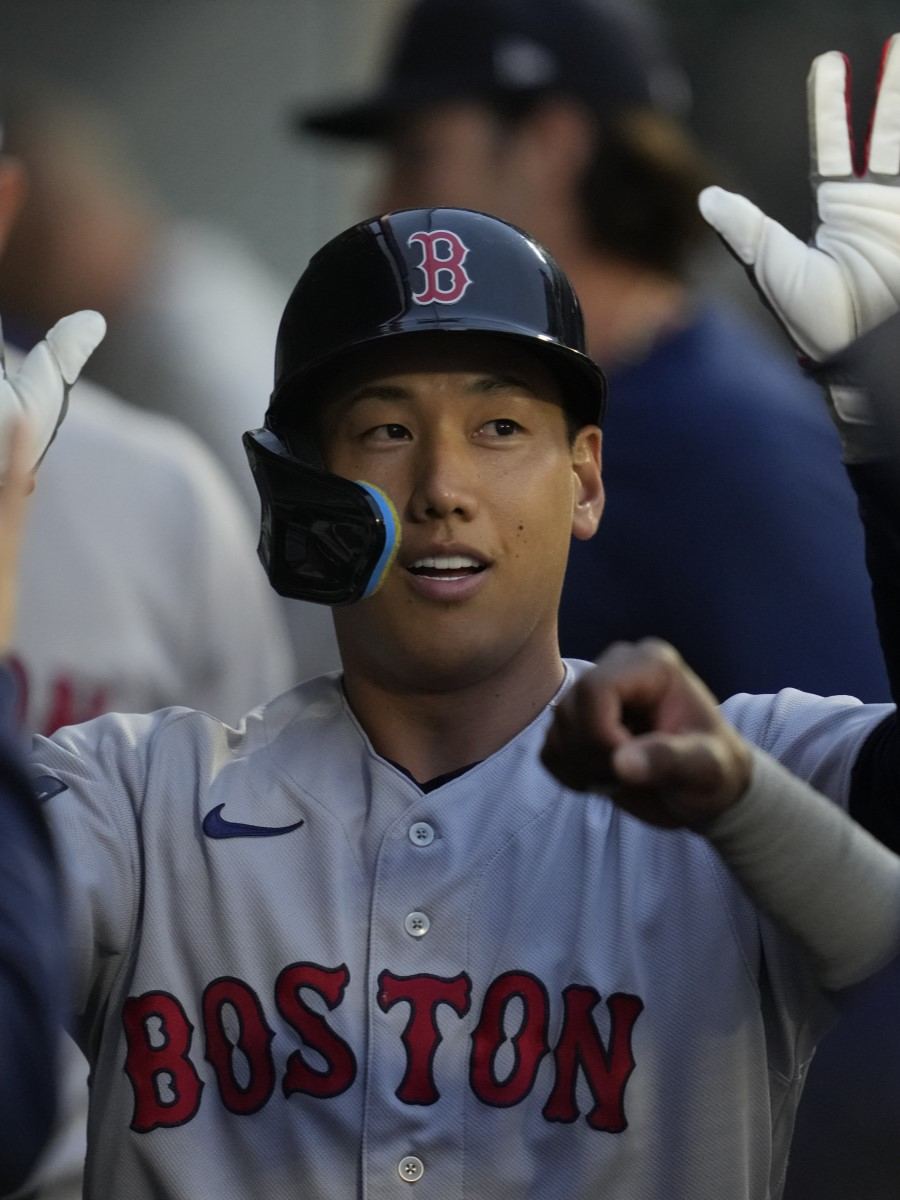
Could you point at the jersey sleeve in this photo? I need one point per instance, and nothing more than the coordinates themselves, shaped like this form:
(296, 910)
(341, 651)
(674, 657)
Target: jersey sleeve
(90, 779)
(817, 738)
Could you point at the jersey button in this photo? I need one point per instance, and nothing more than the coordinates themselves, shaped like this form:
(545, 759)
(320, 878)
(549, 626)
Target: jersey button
(421, 834)
(411, 1168)
(416, 924)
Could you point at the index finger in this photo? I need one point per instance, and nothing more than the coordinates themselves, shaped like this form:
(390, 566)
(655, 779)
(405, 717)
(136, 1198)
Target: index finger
(884, 138)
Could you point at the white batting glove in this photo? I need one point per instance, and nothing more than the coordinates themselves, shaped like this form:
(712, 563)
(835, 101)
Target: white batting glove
(39, 390)
(826, 294)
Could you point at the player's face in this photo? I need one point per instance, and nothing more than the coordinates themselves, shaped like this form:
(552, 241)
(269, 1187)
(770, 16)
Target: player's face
(459, 154)
(472, 445)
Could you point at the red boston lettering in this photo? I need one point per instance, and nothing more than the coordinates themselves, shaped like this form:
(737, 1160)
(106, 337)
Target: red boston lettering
(330, 984)
(606, 1068)
(443, 255)
(421, 1037)
(508, 1045)
(253, 1040)
(166, 1086)
(529, 1043)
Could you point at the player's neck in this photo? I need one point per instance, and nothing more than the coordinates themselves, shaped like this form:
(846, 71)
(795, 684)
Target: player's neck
(435, 732)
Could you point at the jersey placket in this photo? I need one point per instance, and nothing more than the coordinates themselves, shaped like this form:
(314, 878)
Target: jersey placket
(418, 996)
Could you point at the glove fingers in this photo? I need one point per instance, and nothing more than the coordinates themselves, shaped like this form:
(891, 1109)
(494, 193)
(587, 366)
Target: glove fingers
(43, 380)
(884, 139)
(777, 259)
(735, 219)
(74, 339)
(830, 149)
(42, 394)
(792, 276)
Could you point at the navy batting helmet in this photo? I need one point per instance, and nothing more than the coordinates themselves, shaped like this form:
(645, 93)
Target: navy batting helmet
(437, 270)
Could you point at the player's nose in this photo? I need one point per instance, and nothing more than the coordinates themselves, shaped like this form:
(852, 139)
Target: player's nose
(445, 479)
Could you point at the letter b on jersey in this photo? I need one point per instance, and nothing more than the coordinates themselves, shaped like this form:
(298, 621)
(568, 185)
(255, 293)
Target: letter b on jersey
(166, 1085)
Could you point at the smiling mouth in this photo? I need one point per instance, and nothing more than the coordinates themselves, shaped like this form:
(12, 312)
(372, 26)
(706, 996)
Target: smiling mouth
(446, 566)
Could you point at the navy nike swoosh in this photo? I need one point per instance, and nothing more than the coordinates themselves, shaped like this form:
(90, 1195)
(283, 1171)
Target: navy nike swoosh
(217, 826)
(48, 786)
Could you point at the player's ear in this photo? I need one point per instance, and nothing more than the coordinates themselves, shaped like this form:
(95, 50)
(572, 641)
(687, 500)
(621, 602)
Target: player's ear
(13, 190)
(588, 497)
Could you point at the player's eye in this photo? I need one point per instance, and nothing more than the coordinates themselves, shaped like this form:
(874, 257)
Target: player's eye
(391, 431)
(501, 427)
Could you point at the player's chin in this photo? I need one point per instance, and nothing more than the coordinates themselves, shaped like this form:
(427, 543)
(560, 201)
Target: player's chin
(444, 659)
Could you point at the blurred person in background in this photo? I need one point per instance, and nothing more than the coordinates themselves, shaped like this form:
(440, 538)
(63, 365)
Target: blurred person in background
(192, 313)
(727, 516)
(139, 591)
(136, 638)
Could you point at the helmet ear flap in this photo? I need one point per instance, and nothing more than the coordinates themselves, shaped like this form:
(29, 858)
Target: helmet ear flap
(322, 538)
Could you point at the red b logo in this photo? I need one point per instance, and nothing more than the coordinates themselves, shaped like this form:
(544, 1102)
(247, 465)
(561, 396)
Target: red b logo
(443, 255)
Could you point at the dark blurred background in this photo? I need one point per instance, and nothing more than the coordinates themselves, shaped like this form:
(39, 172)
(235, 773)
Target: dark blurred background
(203, 86)
(747, 60)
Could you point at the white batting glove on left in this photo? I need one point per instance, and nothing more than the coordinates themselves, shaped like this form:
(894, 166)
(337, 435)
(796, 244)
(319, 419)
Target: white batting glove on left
(828, 293)
(39, 390)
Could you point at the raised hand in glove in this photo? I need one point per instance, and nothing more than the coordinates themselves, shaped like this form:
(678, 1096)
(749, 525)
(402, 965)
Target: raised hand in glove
(847, 279)
(39, 391)
(32, 404)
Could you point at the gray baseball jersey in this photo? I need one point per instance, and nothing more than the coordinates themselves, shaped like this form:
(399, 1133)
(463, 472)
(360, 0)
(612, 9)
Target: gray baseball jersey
(299, 976)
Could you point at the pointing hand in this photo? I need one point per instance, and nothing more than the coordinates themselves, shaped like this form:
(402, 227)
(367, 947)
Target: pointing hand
(643, 729)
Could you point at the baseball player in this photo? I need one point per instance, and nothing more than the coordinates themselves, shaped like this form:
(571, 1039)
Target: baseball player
(466, 918)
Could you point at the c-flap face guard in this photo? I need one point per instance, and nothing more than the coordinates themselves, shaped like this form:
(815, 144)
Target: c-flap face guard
(323, 538)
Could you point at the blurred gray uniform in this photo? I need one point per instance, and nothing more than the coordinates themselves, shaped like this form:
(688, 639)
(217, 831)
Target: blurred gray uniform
(140, 588)
(197, 342)
(140, 585)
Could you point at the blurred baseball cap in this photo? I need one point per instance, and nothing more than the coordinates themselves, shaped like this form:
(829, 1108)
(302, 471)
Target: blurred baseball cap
(607, 55)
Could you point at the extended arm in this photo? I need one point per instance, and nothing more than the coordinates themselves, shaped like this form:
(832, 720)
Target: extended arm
(32, 952)
(642, 728)
(32, 961)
